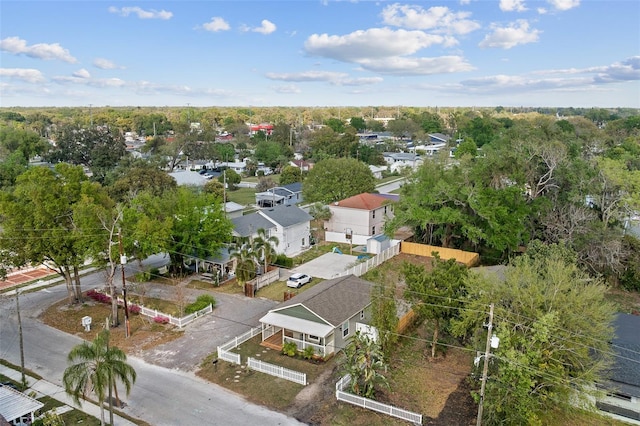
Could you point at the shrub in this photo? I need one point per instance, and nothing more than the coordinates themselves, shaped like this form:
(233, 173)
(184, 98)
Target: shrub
(98, 296)
(290, 349)
(201, 302)
(284, 261)
(134, 309)
(308, 352)
(161, 320)
(143, 276)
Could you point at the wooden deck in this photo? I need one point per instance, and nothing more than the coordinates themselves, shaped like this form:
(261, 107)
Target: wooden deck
(273, 342)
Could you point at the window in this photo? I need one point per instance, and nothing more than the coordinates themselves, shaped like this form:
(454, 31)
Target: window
(374, 214)
(303, 242)
(373, 230)
(385, 209)
(361, 315)
(345, 329)
(313, 339)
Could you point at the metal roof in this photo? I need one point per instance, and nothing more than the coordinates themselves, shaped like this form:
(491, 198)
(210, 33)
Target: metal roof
(15, 404)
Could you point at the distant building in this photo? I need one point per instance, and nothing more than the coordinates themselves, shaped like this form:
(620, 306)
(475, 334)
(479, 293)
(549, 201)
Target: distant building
(263, 127)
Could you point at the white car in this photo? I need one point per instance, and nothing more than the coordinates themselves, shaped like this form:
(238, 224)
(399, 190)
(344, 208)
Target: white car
(298, 280)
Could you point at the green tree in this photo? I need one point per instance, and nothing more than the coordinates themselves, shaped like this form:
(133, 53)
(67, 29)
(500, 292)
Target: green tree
(245, 258)
(554, 325)
(336, 179)
(231, 178)
(26, 142)
(214, 187)
(264, 245)
(358, 123)
(97, 367)
(384, 316)
(142, 176)
(38, 225)
(466, 147)
(290, 174)
(363, 362)
(11, 167)
(335, 124)
(436, 294)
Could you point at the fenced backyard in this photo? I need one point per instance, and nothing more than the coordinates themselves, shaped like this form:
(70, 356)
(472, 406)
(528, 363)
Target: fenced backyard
(223, 350)
(370, 404)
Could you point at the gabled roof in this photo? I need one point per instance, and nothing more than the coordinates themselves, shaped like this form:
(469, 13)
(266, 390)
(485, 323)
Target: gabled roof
(334, 301)
(365, 201)
(286, 215)
(440, 137)
(15, 404)
(247, 225)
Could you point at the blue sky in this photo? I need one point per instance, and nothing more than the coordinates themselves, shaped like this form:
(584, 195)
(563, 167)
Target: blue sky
(580, 53)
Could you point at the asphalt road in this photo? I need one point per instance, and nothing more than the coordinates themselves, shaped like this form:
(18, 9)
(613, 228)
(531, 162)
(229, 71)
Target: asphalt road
(160, 396)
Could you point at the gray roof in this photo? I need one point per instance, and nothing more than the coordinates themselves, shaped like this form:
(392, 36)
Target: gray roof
(286, 215)
(247, 225)
(626, 369)
(334, 300)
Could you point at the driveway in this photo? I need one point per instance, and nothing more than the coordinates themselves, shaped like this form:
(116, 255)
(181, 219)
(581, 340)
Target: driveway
(327, 266)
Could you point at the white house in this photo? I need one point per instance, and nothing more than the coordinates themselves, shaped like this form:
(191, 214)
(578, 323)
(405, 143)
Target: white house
(377, 171)
(361, 216)
(288, 223)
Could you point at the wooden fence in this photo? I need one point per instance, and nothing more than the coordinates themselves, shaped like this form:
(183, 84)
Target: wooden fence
(467, 257)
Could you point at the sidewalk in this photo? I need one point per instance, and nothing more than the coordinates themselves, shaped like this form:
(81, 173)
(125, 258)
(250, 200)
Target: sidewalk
(43, 387)
(55, 279)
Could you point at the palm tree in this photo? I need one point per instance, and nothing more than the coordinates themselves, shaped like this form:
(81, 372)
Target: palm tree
(96, 367)
(364, 359)
(245, 261)
(267, 245)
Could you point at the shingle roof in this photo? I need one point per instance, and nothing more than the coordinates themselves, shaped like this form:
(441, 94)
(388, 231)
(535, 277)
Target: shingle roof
(286, 215)
(364, 201)
(626, 369)
(248, 225)
(334, 300)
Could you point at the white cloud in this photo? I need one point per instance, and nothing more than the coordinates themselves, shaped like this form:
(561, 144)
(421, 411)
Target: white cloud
(287, 89)
(141, 13)
(371, 43)
(417, 66)
(507, 37)
(335, 78)
(216, 24)
(82, 73)
(105, 64)
(512, 6)
(18, 46)
(266, 27)
(564, 4)
(542, 11)
(440, 19)
(28, 75)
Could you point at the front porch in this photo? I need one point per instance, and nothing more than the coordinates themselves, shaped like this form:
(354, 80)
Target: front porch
(275, 337)
(273, 342)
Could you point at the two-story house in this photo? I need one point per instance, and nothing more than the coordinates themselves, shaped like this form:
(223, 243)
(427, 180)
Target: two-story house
(361, 217)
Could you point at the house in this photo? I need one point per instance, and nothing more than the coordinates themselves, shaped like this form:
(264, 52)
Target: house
(16, 408)
(623, 387)
(233, 209)
(361, 216)
(399, 160)
(323, 317)
(290, 194)
(289, 224)
(436, 138)
(377, 171)
(262, 127)
(303, 165)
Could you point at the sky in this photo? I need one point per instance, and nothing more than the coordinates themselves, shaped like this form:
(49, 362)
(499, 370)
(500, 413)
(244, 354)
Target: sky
(562, 53)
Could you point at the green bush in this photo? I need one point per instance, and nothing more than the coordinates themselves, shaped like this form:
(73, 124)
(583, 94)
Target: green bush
(201, 302)
(308, 352)
(290, 349)
(284, 261)
(143, 276)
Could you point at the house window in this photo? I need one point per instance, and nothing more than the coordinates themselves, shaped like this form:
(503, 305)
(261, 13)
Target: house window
(313, 339)
(374, 214)
(303, 242)
(385, 209)
(373, 230)
(345, 329)
(361, 315)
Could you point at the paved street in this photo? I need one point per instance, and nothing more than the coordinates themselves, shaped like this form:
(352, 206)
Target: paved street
(161, 396)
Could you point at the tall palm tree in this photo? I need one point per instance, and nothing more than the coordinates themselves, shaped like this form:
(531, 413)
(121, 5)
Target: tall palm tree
(95, 366)
(267, 245)
(245, 260)
(363, 361)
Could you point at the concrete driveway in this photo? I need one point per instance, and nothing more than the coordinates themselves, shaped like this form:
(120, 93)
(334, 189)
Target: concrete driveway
(327, 266)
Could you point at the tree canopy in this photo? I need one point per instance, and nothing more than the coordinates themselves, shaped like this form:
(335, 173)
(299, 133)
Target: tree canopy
(335, 179)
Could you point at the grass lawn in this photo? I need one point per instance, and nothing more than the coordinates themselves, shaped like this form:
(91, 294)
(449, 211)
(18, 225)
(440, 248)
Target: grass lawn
(243, 196)
(257, 387)
(230, 287)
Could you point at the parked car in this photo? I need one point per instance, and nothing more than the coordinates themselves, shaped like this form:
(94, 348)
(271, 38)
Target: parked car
(298, 280)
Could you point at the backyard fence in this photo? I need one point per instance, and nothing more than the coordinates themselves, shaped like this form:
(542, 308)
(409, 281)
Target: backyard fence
(370, 404)
(223, 350)
(277, 371)
(467, 257)
(362, 268)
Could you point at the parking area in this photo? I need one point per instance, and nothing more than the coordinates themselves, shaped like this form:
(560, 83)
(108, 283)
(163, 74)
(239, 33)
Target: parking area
(327, 266)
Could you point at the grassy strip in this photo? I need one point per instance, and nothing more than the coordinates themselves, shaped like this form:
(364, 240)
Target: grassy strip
(17, 368)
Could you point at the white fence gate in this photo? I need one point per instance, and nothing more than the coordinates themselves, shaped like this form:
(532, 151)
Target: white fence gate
(223, 350)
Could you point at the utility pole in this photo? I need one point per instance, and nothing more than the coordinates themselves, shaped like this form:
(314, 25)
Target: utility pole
(485, 368)
(123, 261)
(24, 379)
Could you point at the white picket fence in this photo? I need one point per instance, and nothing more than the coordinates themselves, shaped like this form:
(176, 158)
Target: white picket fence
(223, 350)
(277, 371)
(362, 268)
(370, 404)
(180, 322)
